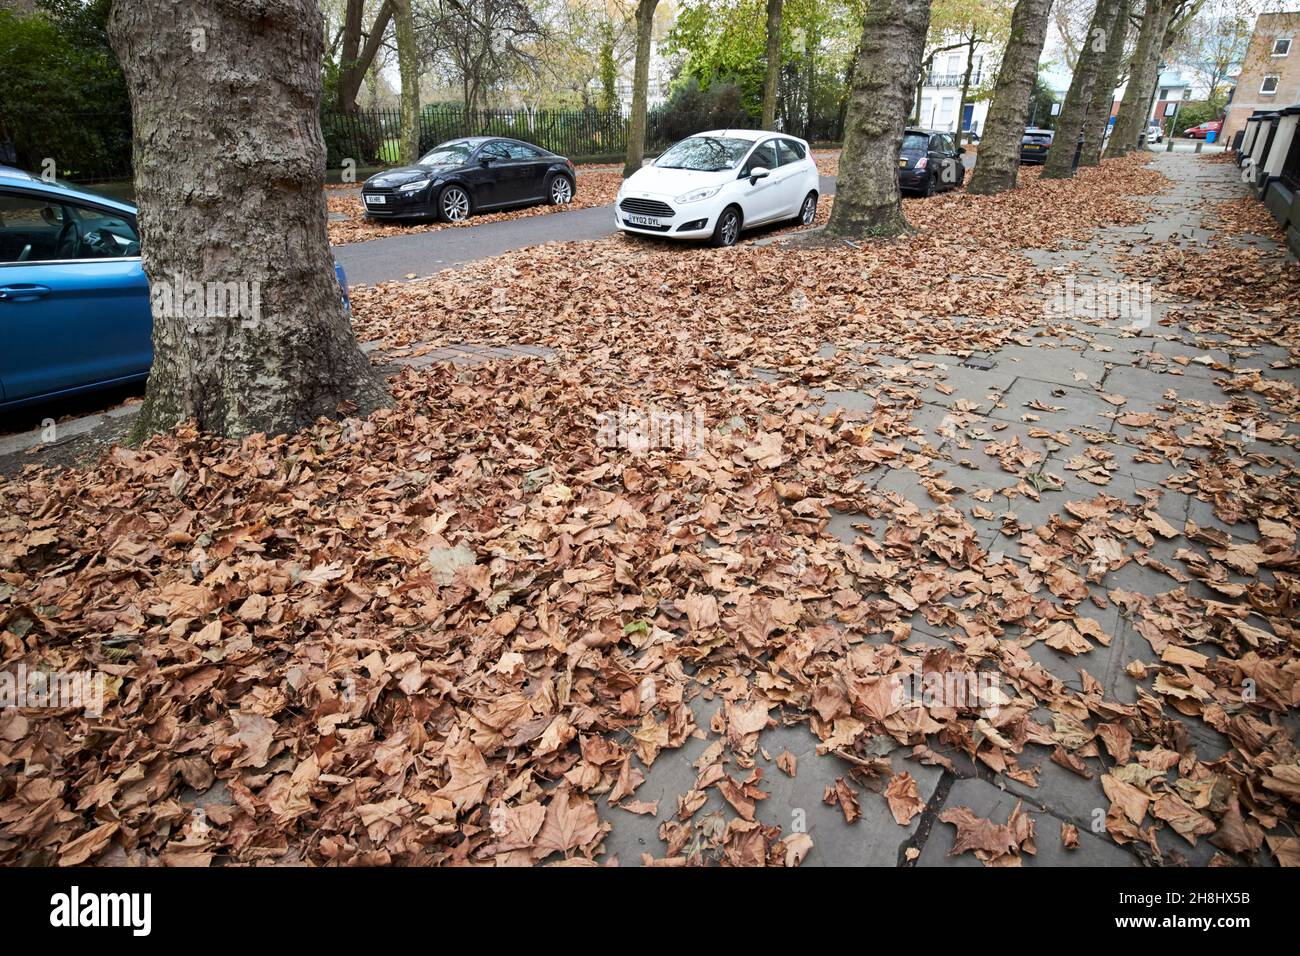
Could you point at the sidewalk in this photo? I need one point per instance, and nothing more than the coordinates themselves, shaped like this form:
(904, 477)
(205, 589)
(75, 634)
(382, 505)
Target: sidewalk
(1069, 399)
(974, 546)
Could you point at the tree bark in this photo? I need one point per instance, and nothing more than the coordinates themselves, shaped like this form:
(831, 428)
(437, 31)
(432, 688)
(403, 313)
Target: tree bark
(999, 154)
(893, 42)
(355, 60)
(965, 85)
(249, 331)
(645, 21)
(1103, 91)
(408, 65)
(608, 71)
(1074, 112)
(1142, 77)
(773, 63)
(842, 113)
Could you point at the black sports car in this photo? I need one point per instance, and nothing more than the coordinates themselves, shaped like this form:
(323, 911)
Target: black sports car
(473, 174)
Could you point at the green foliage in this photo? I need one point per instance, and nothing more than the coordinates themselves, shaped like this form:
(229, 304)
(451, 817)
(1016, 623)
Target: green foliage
(608, 71)
(1192, 113)
(692, 109)
(723, 41)
(64, 94)
(1040, 105)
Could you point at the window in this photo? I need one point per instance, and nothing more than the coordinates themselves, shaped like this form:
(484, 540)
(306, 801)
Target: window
(947, 111)
(40, 229)
(915, 142)
(1269, 86)
(1164, 94)
(1281, 46)
(788, 152)
(765, 155)
(494, 150)
(948, 143)
(449, 154)
(705, 153)
(521, 151)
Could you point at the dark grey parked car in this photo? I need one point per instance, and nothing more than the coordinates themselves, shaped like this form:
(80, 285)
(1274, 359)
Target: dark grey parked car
(929, 161)
(472, 174)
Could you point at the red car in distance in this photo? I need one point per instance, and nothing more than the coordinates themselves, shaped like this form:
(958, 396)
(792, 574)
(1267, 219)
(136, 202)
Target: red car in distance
(1198, 132)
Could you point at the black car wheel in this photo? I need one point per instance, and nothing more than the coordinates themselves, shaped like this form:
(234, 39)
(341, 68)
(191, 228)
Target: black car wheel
(561, 191)
(727, 231)
(453, 204)
(808, 211)
(929, 188)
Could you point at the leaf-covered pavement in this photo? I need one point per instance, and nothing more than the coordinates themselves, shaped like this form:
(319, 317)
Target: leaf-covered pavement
(702, 584)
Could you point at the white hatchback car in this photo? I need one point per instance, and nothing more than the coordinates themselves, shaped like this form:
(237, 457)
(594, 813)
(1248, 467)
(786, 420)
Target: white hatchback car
(715, 184)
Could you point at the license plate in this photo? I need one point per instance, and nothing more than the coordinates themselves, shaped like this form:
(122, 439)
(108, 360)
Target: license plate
(643, 221)
(903, 163)
(1032, 146)
(375, 200)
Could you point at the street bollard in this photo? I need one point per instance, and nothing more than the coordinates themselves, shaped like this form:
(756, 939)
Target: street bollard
(1199, 144)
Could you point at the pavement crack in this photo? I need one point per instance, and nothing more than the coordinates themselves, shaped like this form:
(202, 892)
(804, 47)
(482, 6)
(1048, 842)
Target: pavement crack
(928, 817)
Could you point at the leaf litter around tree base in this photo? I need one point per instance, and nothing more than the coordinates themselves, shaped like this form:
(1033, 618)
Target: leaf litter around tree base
(466, 629)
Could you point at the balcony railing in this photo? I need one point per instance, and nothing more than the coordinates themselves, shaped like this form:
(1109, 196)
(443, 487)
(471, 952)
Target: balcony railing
(951, 79)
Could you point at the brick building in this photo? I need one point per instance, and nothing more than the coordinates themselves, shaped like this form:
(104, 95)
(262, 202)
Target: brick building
(1270, 75)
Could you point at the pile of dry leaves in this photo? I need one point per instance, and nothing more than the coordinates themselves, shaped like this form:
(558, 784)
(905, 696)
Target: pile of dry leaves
(461, 630)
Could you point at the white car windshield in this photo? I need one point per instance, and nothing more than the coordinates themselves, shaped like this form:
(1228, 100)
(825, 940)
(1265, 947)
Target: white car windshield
(705, 153)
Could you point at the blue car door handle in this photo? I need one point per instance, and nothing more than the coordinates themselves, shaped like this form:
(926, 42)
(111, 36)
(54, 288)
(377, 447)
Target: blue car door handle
(23, 292)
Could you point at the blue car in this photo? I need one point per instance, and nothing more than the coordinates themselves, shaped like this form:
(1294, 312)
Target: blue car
(74, 301)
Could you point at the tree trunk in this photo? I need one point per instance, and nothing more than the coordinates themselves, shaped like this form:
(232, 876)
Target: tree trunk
(608, 72)
(812, 79)
(1142, 77)
(893, 41)
(965, 85)
(1103, 91)
(1069, 125)
(356, 60)
(773, 63)
(849, 72)
(645, 21)
(408, 65)
(249, 331)
(922, 73)
(999, 154)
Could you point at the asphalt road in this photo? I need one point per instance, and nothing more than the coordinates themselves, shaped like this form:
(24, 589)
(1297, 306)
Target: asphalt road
(424, 253)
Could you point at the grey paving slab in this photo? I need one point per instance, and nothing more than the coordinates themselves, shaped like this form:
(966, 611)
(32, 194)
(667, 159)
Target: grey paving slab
(1062, 366)
(990, 802)
(1054, 405)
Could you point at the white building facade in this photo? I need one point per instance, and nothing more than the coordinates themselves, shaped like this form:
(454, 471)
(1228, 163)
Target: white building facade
(941, 91)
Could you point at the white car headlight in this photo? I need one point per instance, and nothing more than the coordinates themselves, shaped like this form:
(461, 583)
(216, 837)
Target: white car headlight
(414, 187)
(696, 195)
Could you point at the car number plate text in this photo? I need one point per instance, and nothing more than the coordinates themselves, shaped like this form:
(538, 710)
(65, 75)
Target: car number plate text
(374, 200)
(902, 162)
(643, 220)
